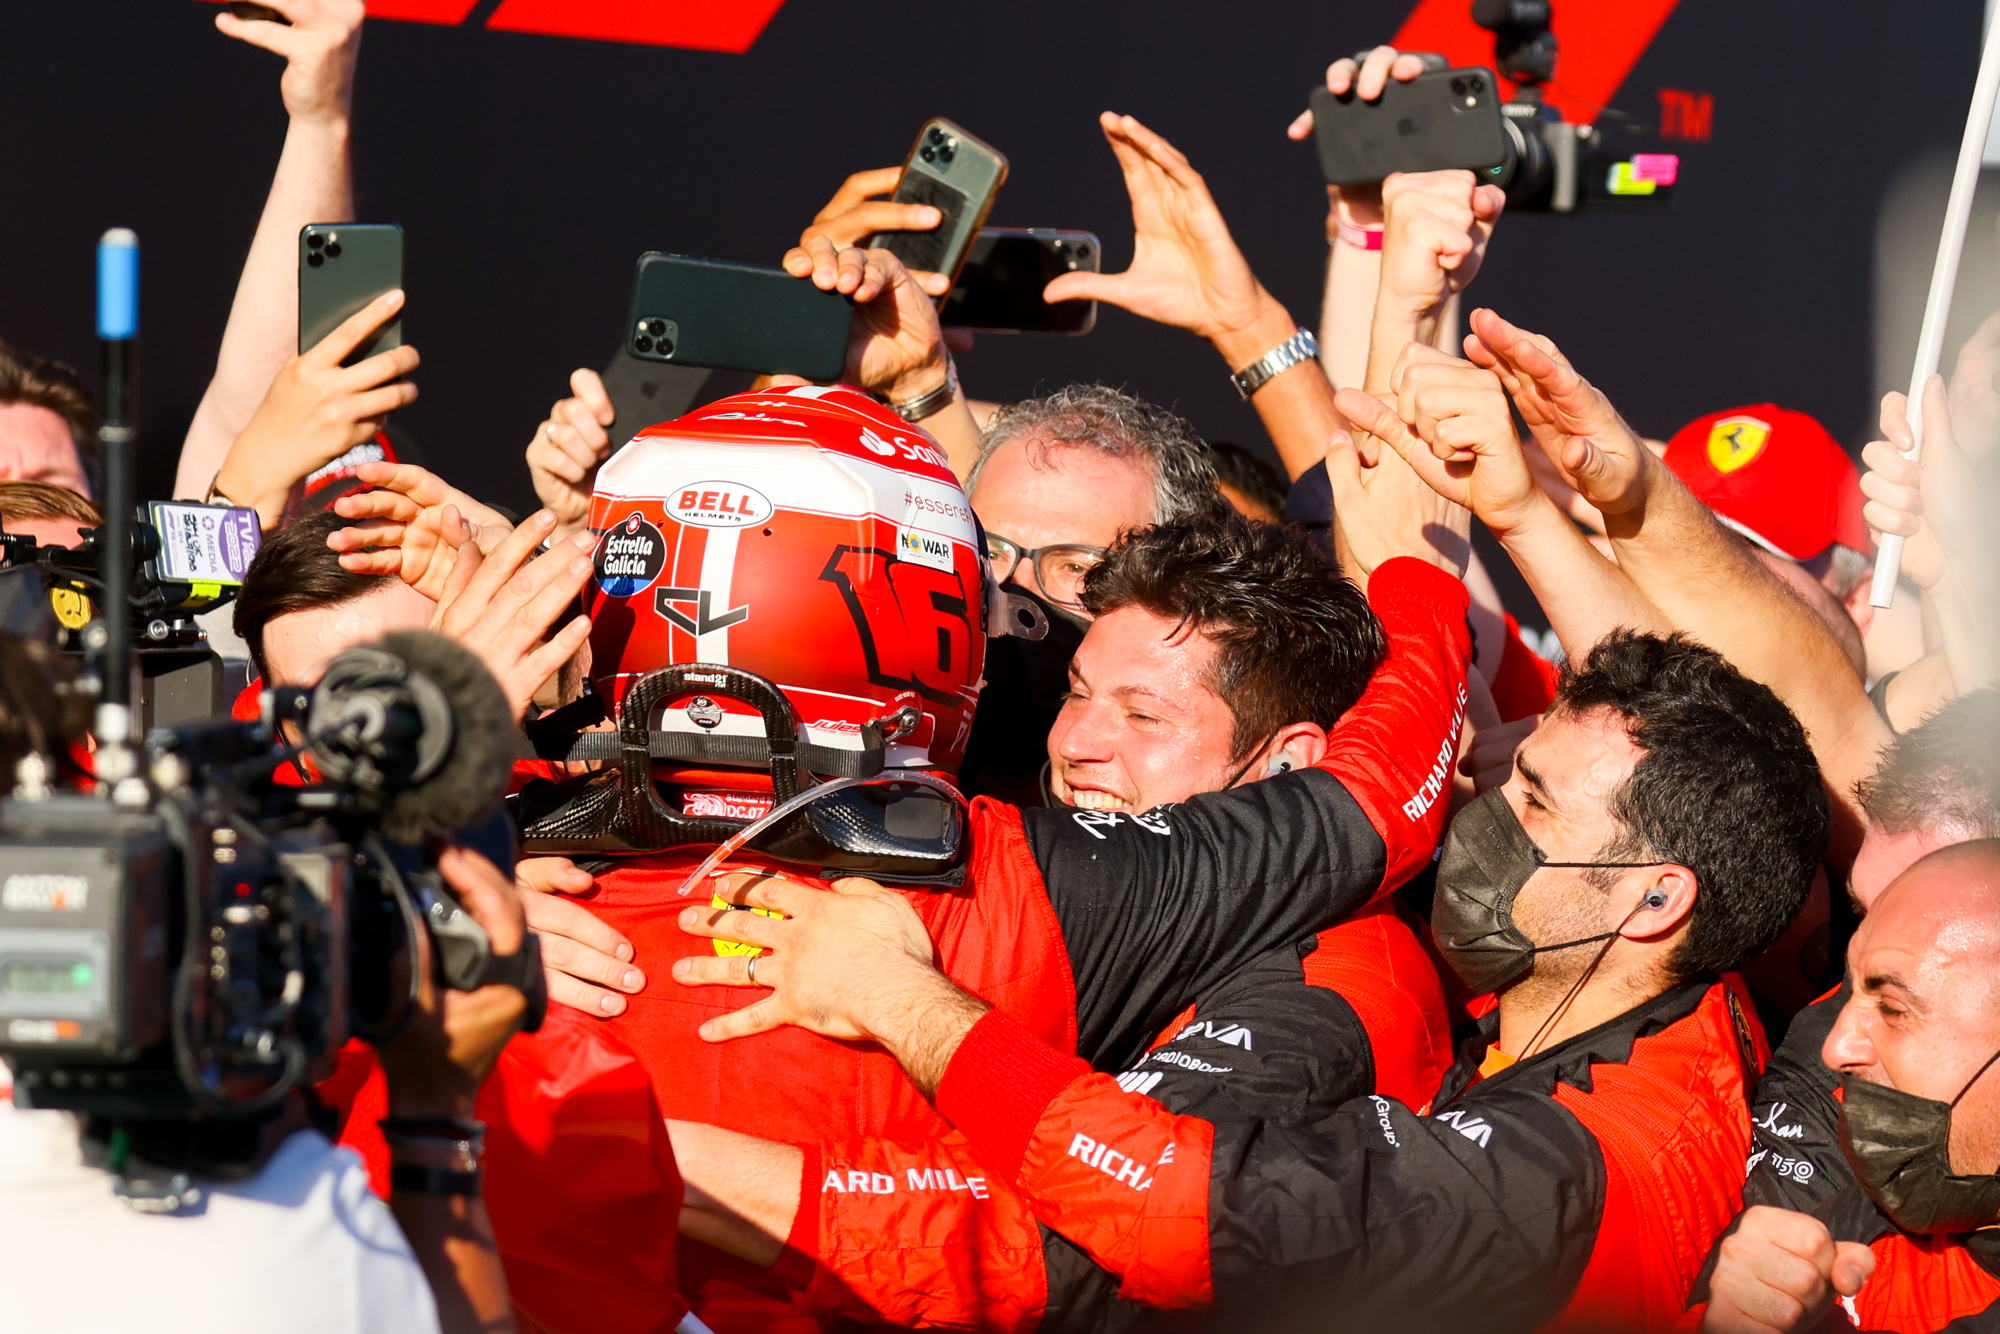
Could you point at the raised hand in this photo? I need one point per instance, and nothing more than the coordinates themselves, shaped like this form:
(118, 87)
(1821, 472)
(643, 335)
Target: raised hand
(1385, 510)
(897, 347)
(1436, 225)
(320, 48)
(1368, 79)
(402, 522)
(316, 410)
(1186, 270)
(502, 606)
(857, 211)
(1925, 502)
(1451, 425)
(1575, 424)
(563, 457)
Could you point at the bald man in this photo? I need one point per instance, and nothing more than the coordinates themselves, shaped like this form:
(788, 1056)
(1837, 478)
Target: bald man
(1914, 1044)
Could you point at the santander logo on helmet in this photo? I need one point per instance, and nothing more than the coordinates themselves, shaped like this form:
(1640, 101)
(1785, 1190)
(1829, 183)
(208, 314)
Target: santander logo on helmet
(808, 536)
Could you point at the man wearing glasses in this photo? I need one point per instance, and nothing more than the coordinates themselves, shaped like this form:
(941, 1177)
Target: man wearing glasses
(1058, 479)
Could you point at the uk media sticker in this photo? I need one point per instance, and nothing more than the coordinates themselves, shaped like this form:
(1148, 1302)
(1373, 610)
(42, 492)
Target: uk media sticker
(205, 543)
(630, 557)
(922, 548)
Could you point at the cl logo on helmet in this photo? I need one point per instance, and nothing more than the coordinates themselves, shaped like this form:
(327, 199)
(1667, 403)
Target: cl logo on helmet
(1735, 441)
(630, 557)
(719, 505)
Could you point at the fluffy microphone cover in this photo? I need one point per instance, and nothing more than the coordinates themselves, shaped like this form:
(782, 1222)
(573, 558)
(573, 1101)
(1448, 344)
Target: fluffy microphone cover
(483, 745)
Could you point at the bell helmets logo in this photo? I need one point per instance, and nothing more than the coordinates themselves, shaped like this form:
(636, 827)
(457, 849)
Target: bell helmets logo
(719, 505)
(630, 557)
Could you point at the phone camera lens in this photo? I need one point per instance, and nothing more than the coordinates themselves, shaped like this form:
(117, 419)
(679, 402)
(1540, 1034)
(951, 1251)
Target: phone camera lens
(642, 343)
(936, 135)
(1458, 86)
(314, 241)
(928, 153)
(314, 258)
(1083, 250)
(666, 347)
(1478, 84)
(332, 250)
(656, 327)
(946, 154)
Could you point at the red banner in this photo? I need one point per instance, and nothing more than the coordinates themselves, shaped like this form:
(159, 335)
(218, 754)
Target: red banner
(1599, 45)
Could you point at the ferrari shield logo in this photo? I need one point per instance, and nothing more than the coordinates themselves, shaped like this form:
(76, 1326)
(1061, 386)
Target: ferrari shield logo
(1735, 441)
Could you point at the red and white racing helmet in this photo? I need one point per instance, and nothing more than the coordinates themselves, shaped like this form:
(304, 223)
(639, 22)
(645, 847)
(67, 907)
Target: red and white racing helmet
(790, 586)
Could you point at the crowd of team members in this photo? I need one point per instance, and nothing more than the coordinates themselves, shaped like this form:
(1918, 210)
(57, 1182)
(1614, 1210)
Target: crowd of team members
(1319, 954)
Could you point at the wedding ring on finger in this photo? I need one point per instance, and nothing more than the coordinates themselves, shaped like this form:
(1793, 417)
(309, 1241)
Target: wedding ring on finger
(549, 429)
(753, 968)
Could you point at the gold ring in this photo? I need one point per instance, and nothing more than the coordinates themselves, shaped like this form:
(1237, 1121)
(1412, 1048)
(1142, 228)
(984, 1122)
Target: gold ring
(753, 968)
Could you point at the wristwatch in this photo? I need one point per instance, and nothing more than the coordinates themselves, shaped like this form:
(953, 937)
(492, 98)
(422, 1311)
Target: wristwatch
(925, 405)
(1301, 346)
(435, 1156)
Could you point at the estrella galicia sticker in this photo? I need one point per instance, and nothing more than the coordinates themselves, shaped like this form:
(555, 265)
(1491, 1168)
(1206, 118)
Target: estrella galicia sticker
(630, 557)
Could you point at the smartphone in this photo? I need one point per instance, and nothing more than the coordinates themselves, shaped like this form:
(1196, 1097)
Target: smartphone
(736, 317)
(342, 267)
(645, 393)
(1439, 120)
(959, 176)
(1000, 288)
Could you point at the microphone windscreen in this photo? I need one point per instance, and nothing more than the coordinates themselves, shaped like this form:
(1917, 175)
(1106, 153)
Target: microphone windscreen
(474, 775)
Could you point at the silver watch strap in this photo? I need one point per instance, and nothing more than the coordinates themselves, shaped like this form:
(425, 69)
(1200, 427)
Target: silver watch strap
(1301, 346)
(925, 405)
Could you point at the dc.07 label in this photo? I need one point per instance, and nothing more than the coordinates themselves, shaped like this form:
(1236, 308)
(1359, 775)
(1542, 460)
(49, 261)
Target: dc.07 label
(630, 557)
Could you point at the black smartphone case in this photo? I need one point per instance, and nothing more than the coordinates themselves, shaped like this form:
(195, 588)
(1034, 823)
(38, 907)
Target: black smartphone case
(1427, 124)
(738, 317)
(960, 178)
(999, 290)
(353, 263)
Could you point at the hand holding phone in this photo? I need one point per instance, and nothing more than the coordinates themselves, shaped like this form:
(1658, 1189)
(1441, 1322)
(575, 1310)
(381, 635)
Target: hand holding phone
(342, 267)
(896, 348)
(1000, 289)
(741, 317)
(317, 408)
(959, 175)
(1440, 120)
(858, 211)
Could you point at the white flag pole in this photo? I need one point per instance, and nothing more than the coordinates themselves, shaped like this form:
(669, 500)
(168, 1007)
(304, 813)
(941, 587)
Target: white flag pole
(1971, 152)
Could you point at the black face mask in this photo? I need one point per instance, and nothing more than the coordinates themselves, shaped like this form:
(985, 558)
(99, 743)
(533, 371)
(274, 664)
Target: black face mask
(1026, 680)
(1899, 1146)
(1487, 857)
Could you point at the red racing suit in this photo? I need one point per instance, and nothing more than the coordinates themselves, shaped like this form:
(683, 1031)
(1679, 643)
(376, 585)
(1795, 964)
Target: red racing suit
(1289, 1037)
(1579, 1189)
(580, 1181)
(1090, 930)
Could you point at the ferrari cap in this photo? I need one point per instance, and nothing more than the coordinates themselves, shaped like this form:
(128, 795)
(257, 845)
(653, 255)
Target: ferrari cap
(1774, 475)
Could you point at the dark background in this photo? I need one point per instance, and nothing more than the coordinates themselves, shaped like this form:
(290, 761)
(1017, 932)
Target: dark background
(530, 172)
